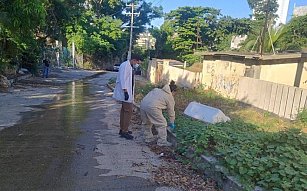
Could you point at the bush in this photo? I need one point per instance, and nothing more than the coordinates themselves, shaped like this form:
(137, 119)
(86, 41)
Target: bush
(302, 116)
(274, 161)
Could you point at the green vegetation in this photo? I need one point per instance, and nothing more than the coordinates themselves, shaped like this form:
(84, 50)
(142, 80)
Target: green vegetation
(190, 29)
(29, 29)
(187, 30)
(302, 116)
(257, 147)
(272, 160)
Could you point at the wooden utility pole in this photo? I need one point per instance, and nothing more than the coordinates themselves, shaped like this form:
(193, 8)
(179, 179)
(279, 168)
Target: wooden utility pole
(132, 5)
(198, 37)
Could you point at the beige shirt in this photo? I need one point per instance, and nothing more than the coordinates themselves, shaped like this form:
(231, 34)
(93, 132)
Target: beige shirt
(160, 99)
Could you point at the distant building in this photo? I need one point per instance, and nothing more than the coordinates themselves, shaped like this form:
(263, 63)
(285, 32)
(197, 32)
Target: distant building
(236, 41)
(282, 12)
(146, 40)
(299, 11)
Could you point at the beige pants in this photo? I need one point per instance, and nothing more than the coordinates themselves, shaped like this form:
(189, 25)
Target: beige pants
(125, 116)
(150, 118)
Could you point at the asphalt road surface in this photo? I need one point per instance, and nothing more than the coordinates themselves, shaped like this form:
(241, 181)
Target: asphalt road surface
(73, 144)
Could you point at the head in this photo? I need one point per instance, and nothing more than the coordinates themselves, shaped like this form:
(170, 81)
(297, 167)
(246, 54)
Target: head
(135, 59)
(173, 87)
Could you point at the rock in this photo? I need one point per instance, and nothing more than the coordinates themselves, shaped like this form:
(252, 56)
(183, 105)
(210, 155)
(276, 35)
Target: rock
(20, 72)
(23, 71)
(4, 82)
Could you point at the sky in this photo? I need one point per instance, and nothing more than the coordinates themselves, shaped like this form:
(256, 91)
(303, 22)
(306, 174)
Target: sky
(233, 8)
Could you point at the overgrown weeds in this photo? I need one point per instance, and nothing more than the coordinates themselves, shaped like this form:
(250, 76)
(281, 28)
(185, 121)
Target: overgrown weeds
(272, 160)
(257, 147)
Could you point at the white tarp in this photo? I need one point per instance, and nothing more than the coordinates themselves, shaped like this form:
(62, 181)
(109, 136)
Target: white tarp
(205, 113)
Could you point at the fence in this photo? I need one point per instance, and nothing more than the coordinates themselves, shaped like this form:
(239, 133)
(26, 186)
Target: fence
(283, 100)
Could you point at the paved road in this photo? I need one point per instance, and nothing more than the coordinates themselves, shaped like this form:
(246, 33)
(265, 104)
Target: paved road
(73, 144)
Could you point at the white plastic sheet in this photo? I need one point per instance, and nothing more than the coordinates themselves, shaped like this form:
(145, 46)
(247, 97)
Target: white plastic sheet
(205, 113)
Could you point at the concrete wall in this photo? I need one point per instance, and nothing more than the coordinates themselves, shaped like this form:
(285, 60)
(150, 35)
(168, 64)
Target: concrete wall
(151, 71)
(279, 73)
(222, 76)
(303, 81)
(161, 71)
(267, 83)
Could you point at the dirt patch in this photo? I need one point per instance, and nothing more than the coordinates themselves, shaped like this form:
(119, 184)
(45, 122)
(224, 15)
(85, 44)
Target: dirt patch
(175, 173)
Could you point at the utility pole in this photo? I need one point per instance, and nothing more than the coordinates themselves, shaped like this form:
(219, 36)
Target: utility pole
(131, 27)
(198, 37)
(73, 54)
(148, 45)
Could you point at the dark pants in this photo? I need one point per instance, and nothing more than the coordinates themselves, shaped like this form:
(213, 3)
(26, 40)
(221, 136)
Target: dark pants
(46, 72)
(125, 116)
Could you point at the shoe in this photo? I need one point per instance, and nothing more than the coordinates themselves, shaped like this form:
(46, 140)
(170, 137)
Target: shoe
(126, 136)
(164, 144)
(121, 132)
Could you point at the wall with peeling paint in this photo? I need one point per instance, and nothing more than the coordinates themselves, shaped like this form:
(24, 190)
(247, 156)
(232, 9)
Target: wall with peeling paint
(222, 76)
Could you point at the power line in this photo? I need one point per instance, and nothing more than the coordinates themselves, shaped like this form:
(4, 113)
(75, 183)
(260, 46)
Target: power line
(132, 14)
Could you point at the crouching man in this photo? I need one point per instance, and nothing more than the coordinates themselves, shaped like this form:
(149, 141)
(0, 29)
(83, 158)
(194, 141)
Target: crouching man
(151, 112)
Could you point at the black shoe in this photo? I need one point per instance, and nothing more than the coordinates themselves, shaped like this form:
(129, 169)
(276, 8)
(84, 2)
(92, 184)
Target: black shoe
(121, 132)
(127, 136)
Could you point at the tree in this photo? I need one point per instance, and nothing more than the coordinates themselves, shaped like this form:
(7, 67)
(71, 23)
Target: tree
(193, 27)
(264, 14)
(261, 7)
(59, 14)
(163, 46)
(295, 34)
(229, 27)
(18, 24)
(99, 34)
(188, 29)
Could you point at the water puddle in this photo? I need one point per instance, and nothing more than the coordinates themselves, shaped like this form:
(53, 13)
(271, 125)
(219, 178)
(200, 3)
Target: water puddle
(34, 153)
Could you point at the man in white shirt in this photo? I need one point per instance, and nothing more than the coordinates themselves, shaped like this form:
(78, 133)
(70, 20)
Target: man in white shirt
(124, 92)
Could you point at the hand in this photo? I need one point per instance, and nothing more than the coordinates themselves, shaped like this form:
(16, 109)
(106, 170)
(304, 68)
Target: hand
(126, 96)
(172, 126)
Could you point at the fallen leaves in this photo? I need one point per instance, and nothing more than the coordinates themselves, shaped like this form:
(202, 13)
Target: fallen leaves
(172, 172)
(176, 174)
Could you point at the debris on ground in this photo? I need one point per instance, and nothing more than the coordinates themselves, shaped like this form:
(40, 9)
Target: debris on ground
(176, 174)
(173, 172)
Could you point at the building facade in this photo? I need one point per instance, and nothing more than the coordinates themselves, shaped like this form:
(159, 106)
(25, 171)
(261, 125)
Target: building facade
(282, 12)
(300, 11)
